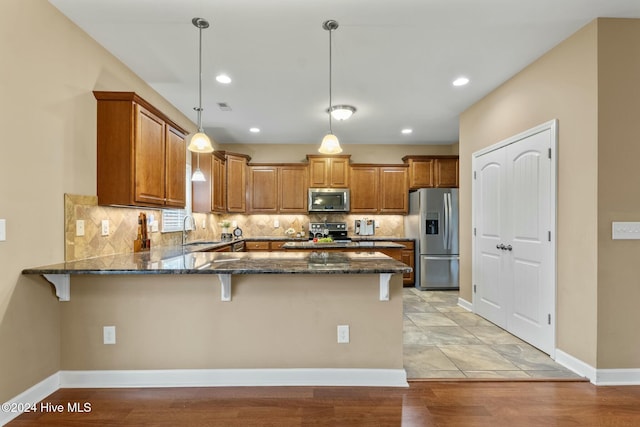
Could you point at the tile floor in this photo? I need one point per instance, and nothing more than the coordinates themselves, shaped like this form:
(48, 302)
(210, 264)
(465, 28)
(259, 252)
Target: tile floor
(443, 340)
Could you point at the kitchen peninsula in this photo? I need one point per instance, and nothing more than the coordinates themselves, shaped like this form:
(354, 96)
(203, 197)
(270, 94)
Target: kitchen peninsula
(219, 318)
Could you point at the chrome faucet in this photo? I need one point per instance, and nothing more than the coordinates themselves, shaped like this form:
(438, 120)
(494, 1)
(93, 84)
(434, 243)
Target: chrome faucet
(184, 228)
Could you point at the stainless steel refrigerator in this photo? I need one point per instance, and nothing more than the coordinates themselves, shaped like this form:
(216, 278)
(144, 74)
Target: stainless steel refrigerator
(433, 223)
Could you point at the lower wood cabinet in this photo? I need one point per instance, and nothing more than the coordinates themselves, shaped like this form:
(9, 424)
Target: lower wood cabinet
(408, 257)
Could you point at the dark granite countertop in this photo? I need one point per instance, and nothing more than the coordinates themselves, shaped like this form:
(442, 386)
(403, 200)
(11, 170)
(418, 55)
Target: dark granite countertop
(364, 244)
(185, 260)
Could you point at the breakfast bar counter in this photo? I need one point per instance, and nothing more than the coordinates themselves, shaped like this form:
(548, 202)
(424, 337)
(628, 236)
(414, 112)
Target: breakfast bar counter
(186, 318)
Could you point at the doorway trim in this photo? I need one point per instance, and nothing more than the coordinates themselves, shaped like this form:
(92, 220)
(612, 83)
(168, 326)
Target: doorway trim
(551, 126)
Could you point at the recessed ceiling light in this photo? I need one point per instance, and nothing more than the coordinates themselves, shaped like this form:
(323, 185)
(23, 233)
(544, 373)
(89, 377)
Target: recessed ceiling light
(223, 78)
(406, 131)
(460, 81)
(254, 130)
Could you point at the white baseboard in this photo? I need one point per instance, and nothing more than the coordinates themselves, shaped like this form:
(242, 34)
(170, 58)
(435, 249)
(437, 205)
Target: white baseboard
(465, 304)
(202, 378)
(576, 365)
(617, 377)
(28, 398)
(234, 377)
(600, 377)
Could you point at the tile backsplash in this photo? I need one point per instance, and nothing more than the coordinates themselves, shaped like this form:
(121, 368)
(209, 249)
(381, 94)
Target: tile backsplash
(123, 226)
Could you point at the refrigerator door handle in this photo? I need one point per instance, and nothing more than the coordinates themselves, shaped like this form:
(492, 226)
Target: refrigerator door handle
(449, 219)
(441, 258)
(445, 234)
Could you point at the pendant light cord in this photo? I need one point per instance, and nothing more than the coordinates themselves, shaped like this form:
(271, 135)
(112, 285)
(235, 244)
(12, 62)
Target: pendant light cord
(199, 109)
(330, 82)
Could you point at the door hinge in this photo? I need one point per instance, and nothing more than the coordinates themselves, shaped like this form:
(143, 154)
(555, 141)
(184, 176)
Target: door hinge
(549, 318)
(549, 236)
(474, 174)
(474, 289)
(549, 152)
(474, 231)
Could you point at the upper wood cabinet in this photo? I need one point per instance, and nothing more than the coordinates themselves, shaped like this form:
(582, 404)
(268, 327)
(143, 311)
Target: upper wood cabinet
(278, 188)
(210, 195)
(365, 188)
(329, 171)
(141, 153)
(432, 171)
(236, 165)
(379, 189)
(219, 183)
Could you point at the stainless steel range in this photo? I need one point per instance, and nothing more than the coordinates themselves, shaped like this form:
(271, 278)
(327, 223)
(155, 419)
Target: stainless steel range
(335, 230)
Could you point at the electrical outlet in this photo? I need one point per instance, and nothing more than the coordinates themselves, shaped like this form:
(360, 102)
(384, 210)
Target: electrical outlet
(105, 227)
(343, 334)
(80, 227)
(3, 230)
(625, 230)
(154, 226)
(276, 223)
(109, 335)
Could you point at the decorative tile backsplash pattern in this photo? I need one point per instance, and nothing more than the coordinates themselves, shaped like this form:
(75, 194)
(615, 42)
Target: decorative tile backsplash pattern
(123, 227)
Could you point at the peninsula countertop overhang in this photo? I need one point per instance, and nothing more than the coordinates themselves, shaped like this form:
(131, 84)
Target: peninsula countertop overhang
(177, 261)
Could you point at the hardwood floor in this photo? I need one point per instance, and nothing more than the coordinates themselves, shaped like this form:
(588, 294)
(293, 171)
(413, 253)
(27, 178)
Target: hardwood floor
(430, 403)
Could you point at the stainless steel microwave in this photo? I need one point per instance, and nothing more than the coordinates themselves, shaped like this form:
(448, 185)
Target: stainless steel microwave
(328, 200)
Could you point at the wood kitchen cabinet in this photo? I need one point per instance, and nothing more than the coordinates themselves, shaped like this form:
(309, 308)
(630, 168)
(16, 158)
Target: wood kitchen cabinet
(329, 171)
(365, 188)
(379, 189)
(432, 171)
(278, 188)
(210, 195)
(236, 168)
(408, 257)
(141, 153)
(219, 183)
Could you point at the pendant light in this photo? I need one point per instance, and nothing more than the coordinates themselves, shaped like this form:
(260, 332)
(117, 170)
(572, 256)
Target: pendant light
(330, 143)
(198, 176)
(199, 142)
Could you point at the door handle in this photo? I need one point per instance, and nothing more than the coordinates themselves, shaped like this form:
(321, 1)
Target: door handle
(508, 247)
(500, 246)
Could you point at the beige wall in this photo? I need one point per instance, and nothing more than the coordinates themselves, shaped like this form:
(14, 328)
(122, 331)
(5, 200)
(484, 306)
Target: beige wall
(272, 321)
(618, 192)
(360, 153)
(50, 68)
(561, 85)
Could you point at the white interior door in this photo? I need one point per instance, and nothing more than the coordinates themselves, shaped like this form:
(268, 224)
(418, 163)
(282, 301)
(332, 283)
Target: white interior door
(529, 234)
(514, 255)
(490, 286)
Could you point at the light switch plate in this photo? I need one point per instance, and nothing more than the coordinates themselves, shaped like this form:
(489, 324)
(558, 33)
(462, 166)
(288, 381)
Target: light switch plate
(3, 230)
(625, 230)
(154, 226)
(343, 334)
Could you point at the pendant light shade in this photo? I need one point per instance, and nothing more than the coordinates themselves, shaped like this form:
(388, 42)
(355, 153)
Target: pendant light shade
(199, 142)
(198, 176)
(330, 143)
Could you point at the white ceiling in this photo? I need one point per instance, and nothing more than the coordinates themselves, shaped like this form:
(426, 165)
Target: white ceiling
(394, 60)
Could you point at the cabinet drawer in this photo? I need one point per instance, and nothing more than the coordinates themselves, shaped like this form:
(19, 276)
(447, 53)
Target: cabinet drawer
(257, 246)
(277, 246)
